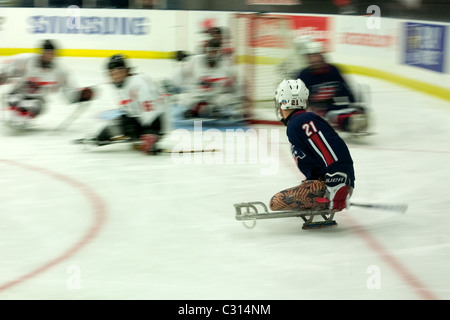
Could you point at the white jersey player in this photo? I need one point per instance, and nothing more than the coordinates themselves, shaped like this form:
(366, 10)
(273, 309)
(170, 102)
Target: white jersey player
(209, 86)
(142, 107)
(33, 77)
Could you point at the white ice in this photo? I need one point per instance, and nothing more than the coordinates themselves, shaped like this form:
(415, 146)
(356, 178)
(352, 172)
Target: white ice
(111, 223)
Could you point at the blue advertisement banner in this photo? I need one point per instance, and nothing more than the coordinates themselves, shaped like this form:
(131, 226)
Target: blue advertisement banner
(425, 46)
(137, 26)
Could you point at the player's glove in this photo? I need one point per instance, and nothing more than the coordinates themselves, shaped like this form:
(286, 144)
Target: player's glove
(85, 94)
(180, 55)
(338, 192)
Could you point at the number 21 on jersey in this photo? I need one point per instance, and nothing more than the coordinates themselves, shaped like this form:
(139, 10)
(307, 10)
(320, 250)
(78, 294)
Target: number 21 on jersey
(310, 128)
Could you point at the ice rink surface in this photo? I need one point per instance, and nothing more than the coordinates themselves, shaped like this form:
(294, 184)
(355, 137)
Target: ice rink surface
(111, 223)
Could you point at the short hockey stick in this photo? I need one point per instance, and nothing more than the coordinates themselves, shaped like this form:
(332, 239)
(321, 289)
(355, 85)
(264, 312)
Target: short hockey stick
(388, 207)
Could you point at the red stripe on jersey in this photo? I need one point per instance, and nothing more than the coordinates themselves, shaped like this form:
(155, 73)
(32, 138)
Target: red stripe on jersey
(217, 79)
(46, 83)
(38, 82)
(324, 93)
(323, 148)
(124, 102)
(211, 80)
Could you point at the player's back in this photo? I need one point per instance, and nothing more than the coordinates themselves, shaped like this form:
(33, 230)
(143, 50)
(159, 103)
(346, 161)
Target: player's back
(316, 146)
(325, 83)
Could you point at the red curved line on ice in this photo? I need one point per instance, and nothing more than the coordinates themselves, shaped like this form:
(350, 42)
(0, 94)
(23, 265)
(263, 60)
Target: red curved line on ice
(99, 212)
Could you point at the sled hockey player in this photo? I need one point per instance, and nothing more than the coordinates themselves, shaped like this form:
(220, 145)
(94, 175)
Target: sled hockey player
(330, 94)
(214, 34)
(209, 87)
(141, 114)
(220, 36)
(324, 159)
(296, 61)
(320, 154)
(33, 76)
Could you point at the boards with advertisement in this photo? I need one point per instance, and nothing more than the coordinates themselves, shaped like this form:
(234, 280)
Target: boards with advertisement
(425, 46)
(318, 27)
(359, 42)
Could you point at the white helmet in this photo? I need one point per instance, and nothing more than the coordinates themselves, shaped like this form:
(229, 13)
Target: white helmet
(301, 42)
(313, 47)
(291, 94)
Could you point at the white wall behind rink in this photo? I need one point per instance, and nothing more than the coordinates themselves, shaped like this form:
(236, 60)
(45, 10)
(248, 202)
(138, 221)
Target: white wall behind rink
(87, 32)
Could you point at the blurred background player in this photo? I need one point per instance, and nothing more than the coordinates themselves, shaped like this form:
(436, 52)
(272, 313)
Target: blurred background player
(320, 154)
(33, 76)
(141, 116)
(330, 94)
(209, 87)
(296, 60)
(219, 35)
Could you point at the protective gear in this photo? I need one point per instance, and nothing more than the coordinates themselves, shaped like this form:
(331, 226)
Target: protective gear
(313, 47)
(148, 142)
(23, 109)
(116, 61)
(181, 55)
(215, 31)
(291, 94)
(48, 45)
(300, 43)
(14, 99)
(30, 107)
(338, 191)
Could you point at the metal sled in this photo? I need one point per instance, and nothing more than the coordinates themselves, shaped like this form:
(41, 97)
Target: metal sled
(252, 211)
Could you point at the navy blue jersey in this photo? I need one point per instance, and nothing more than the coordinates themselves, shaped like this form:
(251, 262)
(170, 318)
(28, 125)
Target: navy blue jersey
(325, 83)
(317, 148)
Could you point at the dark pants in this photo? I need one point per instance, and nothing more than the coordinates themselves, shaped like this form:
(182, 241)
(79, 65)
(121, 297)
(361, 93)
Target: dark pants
(131, 127)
